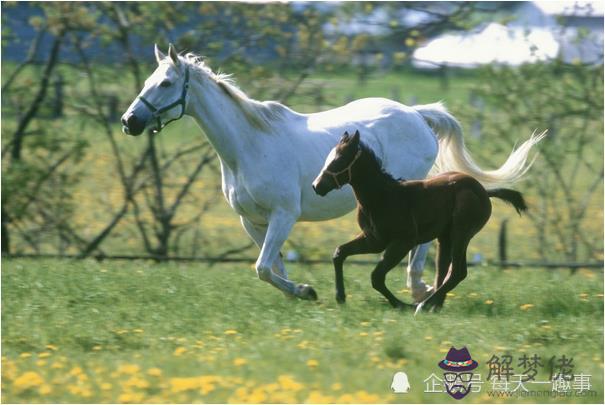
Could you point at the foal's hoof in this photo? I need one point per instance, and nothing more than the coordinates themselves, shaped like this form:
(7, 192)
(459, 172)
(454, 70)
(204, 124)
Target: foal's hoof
(341, 299)
(306, 292)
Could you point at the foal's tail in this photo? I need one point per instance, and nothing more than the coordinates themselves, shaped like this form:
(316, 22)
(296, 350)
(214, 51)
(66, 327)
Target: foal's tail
(512, 197)
(453, 155)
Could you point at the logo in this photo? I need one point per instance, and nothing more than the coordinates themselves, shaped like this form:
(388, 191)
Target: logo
(400, 384)
(457, 375)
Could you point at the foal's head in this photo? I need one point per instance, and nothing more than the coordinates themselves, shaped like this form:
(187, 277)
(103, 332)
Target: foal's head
(339, 163)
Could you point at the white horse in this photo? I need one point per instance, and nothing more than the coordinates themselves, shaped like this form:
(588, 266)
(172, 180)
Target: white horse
(270, 154)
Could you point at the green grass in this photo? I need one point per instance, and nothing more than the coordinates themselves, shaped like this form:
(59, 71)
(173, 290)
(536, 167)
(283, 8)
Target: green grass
(82, 331)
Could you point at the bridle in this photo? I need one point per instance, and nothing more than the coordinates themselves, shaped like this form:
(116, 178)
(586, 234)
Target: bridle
(346, 169)
(156, 112)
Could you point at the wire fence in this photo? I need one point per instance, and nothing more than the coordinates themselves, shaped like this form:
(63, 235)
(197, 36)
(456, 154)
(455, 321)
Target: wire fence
(250, 260)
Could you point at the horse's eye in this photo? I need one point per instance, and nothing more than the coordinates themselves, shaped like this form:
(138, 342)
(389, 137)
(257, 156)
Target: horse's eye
(165, 83)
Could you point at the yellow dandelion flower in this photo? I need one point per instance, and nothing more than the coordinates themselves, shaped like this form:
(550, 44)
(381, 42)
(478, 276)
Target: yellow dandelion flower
(230, 332)
(525, 307)
(27, 380)
(363, 333)
(43, 355)
(45, 389)
(25, 355)
(240, 361)
(97, 348)
(288, 383)
(489, 302)
(106, 386)
(410, 42)
(135, 382)
(336, 386)
(316, 397)
(473, 294)
(154, 372)
(312, 363)
(139, 330)
(57, 365)
(131, 397)
(52, 347)
(41, 363)
(303, 345)
(179, 351)
(128, 369)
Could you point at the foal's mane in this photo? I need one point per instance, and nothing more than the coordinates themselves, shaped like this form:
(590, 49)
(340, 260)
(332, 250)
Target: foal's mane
(261, 114)
(384, 175)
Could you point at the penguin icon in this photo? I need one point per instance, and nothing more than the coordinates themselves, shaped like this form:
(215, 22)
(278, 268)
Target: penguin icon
(400, 384)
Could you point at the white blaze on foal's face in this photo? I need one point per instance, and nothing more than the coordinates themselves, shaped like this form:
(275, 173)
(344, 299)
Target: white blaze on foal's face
(338, 164)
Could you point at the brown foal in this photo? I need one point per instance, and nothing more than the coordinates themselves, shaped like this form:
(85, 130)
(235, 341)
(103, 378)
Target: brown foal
(396, 215)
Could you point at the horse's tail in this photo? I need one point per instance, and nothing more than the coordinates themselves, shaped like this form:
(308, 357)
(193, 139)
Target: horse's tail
(453, 155)
(512, 197)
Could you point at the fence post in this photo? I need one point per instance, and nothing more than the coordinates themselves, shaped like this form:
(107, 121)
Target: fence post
(502, 244)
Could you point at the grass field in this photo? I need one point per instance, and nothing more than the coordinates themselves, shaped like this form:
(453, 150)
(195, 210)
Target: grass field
(82, 331)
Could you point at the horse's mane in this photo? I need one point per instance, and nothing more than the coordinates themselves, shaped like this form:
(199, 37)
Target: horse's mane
(384, 175)
(261, 114)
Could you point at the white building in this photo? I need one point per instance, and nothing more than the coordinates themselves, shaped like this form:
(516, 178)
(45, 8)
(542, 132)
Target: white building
(540, 30)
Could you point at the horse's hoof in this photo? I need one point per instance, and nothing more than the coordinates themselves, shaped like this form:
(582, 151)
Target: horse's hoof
(341, 299)
(421, 293)
(306, 292)
(419, 308)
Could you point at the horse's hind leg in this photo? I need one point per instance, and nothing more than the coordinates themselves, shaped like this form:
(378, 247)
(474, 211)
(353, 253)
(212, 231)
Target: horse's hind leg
(443, 259)
(455, 275)
(420, 290)
(393, 254)
(360, 245)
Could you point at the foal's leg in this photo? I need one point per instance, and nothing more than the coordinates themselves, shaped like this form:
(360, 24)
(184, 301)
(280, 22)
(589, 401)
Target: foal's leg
(420, 290)
(360, 245)
(393, 254)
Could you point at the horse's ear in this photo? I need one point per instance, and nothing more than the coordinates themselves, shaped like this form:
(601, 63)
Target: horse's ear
(345, 137)
(173, 54)
(159, 56)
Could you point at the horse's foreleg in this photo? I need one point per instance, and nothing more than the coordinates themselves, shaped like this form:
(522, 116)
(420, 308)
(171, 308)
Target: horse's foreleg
(258, 233)
(420, 290)
(280, 225)
(360, 245)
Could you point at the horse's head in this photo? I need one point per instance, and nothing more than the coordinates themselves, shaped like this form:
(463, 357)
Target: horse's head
(163, 98)
(337, 168)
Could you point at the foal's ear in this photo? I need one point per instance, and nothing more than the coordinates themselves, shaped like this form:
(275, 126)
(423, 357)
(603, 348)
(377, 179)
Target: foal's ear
(173, 54)
(159, 56)
(355, 138)
(345, 137)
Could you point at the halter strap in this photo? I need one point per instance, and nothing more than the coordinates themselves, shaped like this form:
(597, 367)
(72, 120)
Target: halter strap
(346, 169)
(155, 112)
